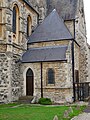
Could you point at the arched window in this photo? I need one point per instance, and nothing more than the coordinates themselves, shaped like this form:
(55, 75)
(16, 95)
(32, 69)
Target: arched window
(15, 24)
(14, 19)
(51, 76)
(0, 22)
(29, 83)
(29, 72)
(28, 25)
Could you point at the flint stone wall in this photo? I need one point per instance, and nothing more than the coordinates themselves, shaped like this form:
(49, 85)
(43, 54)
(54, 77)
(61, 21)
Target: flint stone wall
(10, 86)
(4, 77)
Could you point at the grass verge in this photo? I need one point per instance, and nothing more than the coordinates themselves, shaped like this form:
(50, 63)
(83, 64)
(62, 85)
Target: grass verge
(36, 112)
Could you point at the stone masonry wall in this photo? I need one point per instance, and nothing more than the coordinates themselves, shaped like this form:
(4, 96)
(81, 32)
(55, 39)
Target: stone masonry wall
(12, 48)
(17, 44)
(63, 84)
(36, 68)
(88, 67)
(70, 25)
(13, 76)
(19, 39)
(53, 43)
(41, 7)
(80, 31)
(62, 90)
(5, 78)
(15, 81)
(10, 86)
(76, 56)
(80, 36)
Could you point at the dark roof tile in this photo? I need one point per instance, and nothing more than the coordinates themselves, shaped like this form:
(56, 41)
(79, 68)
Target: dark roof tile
(52, 28)
(65, 8)
(55, 53)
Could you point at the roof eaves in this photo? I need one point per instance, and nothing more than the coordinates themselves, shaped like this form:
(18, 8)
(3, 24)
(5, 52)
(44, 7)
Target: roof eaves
(48, 40)
(63, 60)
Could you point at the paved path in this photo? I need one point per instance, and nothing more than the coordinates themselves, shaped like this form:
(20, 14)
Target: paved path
(85, 115)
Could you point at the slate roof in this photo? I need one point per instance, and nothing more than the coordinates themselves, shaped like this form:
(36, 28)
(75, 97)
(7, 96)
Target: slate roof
(65, 8)
(55, 53)
(52, 28)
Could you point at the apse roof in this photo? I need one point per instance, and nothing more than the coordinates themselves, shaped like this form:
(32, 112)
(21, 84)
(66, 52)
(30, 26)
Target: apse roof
(52, 28)
(44, 54)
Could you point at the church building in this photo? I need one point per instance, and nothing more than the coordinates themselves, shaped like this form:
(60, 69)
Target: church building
(43, 50)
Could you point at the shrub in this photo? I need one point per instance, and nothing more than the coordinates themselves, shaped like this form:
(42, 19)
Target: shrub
(45, 101)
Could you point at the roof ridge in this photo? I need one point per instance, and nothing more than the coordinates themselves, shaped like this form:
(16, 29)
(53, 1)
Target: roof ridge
(51, 29)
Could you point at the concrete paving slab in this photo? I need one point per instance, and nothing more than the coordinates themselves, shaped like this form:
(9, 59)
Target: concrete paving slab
(83, 116)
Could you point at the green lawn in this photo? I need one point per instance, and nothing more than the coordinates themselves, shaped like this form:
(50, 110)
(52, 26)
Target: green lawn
(35, 112)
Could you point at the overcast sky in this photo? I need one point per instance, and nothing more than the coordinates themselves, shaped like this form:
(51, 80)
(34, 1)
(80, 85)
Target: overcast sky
(87, 17)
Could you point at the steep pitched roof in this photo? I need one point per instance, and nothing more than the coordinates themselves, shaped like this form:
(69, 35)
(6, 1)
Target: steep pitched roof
(55, 53)
(65, 8)
(52, 28)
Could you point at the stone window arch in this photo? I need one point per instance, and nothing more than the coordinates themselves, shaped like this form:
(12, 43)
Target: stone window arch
(0, 22)
(29, 25)
(29, 82)
(15, 22)
(51, 76)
